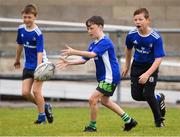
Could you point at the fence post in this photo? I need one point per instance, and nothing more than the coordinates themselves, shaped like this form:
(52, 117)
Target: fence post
(119, 42)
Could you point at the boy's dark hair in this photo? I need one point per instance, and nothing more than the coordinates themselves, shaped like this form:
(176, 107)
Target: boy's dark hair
(30, 8)
(98, 20)
(142, 10)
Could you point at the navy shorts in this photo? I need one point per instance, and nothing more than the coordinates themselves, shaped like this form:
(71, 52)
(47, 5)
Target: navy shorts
(27, 73)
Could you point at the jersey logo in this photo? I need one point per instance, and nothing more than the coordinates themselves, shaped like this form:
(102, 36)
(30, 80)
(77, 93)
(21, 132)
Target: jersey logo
(151, 79)
(27, 43)
(34, 38)
(135, 42)
(150, 45)
(143, 48)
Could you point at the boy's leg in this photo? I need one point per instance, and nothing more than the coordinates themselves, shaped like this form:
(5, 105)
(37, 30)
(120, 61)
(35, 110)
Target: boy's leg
(27, 78)
(161, 101)
(129, 122)
(107, 102)
(137, 89)
(149, 89)
(37, 87)
(48, 112)
(93, 100)
(107, 90)
(26, 90)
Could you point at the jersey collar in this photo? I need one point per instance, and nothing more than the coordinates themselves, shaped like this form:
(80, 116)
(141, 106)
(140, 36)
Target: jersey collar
(96, 41)
(30, 30)
(146, 34)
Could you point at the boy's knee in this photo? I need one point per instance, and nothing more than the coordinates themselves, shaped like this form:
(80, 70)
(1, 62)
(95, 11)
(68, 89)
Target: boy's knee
(137, 98)
(103, 102)
(25, 94)
(92, 101)
(35, 92)
(148, 97)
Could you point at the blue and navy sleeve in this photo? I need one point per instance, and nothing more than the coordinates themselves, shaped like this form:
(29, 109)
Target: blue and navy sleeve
(128, 42)
(19, 39)
(101, 48)
(158, 48)
(40, 43)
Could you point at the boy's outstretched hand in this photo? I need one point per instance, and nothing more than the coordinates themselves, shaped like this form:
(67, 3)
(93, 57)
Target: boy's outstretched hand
(62, 63)
(67, 52)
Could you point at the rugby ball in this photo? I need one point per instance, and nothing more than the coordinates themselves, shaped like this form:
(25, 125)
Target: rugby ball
(44, 71)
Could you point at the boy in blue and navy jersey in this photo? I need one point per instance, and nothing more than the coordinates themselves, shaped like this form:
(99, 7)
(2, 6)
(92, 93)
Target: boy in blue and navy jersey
(107, 72)
(30, 39)
(148, 54)
(107, 67)
(33, 43)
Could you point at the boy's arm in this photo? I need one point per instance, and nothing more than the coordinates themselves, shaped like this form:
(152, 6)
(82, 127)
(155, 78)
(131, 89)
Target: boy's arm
(19, 49)
(40, 47)
(126, 67)
(145, 76)
(39, 57)
(77, 62)
(64, 63)
(70, 51)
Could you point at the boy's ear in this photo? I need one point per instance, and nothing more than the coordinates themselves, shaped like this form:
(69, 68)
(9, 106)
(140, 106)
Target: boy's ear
(101, 26)
(149, 20)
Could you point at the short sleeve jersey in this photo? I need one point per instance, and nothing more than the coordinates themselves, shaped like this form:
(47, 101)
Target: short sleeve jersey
(107, 66)
(32, 41)
(147, 48)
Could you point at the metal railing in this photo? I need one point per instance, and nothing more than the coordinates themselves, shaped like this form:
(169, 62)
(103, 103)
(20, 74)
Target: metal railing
(69, 27)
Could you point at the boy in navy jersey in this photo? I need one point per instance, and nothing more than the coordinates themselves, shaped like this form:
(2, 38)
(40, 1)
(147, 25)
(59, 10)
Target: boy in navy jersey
(30, 39)
(107, 72)
(148, 55)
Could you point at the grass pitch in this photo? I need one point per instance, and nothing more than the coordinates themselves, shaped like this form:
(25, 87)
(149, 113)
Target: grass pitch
(71, 122)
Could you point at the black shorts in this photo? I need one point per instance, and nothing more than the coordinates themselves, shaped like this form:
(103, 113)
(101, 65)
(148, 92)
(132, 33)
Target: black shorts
(137, 69)
(106, 88)
(27, 73)
(140, 91)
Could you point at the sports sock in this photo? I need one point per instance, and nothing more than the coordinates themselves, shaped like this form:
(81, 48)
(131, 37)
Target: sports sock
(158, 97)
(92, 124)
(46, 105)
(42, 117)
(126, 118)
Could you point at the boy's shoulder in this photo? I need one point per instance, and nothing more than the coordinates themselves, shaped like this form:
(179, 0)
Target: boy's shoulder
(103, 41)
(21, 26)
(133, 31)
(106, 39)
(155, 34)
(38, 31)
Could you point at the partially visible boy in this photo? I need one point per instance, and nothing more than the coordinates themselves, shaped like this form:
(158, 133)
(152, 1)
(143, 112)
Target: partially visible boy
(30, 39)
(148, 55)
(107, 72)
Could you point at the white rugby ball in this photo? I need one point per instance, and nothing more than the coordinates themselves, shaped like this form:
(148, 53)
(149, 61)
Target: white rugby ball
(44, 71)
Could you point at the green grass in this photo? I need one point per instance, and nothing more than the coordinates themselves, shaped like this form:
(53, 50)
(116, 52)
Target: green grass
(71, 121)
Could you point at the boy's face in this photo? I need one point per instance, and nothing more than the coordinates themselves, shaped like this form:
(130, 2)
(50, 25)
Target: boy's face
(28, 19)
(141, 22)
(94, 30)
